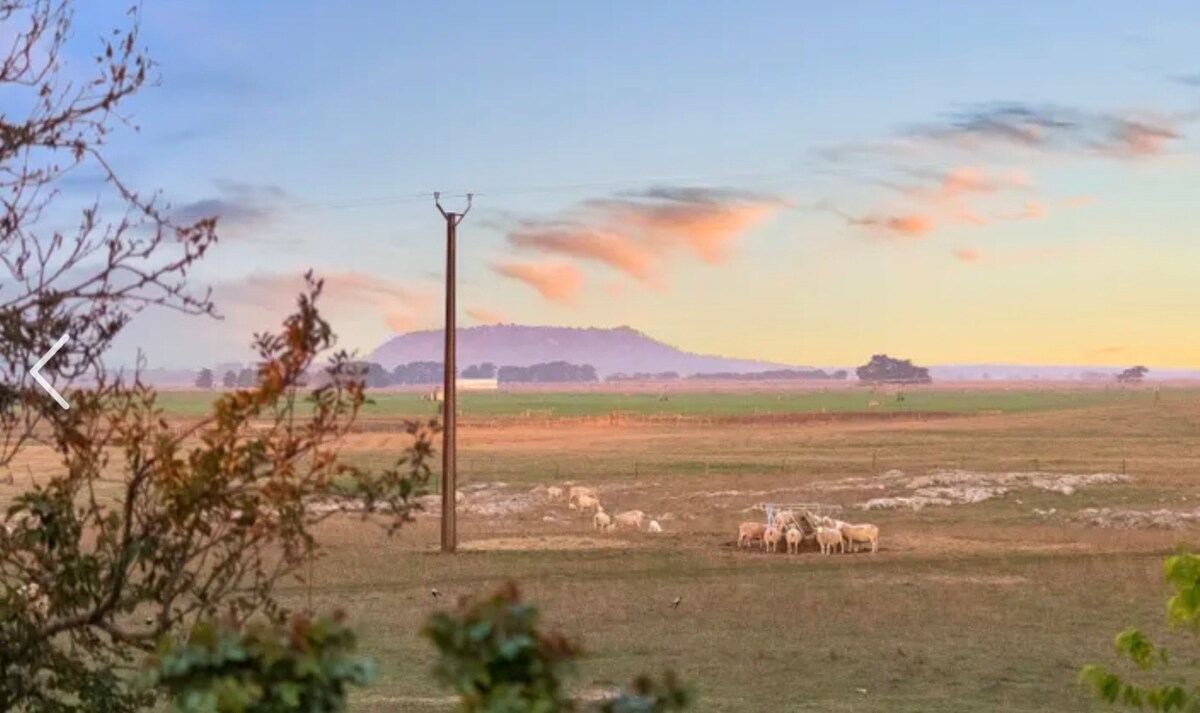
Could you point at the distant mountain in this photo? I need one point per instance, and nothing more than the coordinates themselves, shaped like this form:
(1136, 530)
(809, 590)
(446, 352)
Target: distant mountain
(622, 349)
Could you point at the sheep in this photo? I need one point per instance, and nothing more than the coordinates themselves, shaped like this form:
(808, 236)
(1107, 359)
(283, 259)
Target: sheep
(631, 518)
(873, 404)
(578, 491)
(602, 521)
(860, 534)
(748, 532)
(654, 526)
(554, 493)
(828, 538)
(771, 537)
(835, 524)
(586, 503)
(794, 537)
(785, 519)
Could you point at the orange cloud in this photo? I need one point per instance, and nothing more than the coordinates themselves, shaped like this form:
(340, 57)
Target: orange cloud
(555, 281)
(967, 255)
(640, 234)
(707, 229)
(910, 226)
(606, 246)
(486, 316)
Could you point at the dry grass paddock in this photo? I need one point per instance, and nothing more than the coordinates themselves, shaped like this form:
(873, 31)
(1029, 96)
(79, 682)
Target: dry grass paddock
(979, 607)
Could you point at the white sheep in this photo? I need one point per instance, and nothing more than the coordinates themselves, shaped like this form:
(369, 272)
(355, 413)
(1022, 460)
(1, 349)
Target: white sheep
(785, 519)
(602, 521)
(861, 534)
(631, 518)
(794, 536)
(554, 493)
(578, 491)
(771, 537)
(587, 503)
(828, 538)
(654, 526)
(748, 532)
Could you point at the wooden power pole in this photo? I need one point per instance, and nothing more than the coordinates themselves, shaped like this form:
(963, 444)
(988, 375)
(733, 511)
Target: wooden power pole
(449, 410)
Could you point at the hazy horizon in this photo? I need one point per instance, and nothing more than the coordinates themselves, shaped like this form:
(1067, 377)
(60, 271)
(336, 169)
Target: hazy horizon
(986, 184)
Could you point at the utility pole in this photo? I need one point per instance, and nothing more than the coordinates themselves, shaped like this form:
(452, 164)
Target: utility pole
(449, 412)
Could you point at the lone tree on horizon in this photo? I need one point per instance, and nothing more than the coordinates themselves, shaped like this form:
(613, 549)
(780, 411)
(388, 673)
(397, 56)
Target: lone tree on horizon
(882, 369)
(1133, 375)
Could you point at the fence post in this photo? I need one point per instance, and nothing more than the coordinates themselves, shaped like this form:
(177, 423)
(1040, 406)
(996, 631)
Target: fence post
(874, 459)
(635, 469)
(1037, 465)
(1122, 466)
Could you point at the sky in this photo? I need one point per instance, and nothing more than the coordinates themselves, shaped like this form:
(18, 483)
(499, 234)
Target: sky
(807, 183)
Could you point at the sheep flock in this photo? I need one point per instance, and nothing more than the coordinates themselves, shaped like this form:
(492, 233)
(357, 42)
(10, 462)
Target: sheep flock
(831, 535)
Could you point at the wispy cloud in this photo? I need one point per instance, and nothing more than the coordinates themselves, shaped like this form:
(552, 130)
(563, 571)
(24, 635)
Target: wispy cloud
(910, 226)
(1079, 201)
(401, 308)
(241, 209)
(556, 281)
(1191, 80)
(641, 234)
(1017, 257)
(487, 316)
(1055, 129)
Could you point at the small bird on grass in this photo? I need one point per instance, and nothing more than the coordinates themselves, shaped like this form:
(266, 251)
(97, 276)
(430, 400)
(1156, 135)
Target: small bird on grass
(675, 604)
(435, 593)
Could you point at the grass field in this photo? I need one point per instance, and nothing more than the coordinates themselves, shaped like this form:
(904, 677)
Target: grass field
(718, 403)
(979, 607)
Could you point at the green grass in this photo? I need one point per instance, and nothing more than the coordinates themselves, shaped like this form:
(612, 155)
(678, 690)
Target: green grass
(724, 404)
(965, 634)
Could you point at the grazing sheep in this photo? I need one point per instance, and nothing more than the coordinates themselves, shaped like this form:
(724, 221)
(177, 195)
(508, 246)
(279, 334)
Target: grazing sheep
(578, 491)
(586, 503)
(631, 518)
(785, 519)
(654, 526)
(794, 537)
(861, 534)
(771, 537)
(554, 493)
(602, 521)
(873, 404)
(828, 538)
(748, 532)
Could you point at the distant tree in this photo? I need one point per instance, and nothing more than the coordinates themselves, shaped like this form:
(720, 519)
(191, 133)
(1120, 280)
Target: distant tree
(555, 372)
(230, 380)
(883, 369)
(486, 370)
(770, 375)
(1133, 375)
(204, 380)
(419, 372)
(840, 375)
(247, 378)
(377, 377)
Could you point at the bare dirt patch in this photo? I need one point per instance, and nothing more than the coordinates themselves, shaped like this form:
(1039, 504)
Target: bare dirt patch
(959, 487)
(1128, 519)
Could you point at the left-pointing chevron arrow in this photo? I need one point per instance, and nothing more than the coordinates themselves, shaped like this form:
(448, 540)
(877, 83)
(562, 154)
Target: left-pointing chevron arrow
(42, 380)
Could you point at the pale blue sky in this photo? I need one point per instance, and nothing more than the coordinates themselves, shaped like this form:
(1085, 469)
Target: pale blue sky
(320, 123)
